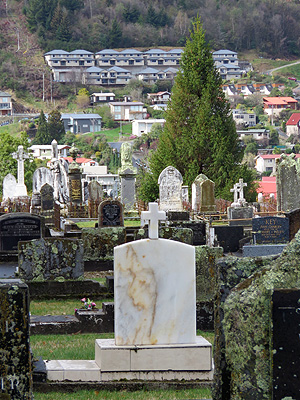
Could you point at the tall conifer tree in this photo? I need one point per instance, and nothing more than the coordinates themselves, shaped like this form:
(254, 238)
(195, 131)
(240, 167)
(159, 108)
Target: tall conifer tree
(199, 134)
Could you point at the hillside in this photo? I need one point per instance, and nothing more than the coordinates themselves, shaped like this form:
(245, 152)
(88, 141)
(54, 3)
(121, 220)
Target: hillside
(29, 28)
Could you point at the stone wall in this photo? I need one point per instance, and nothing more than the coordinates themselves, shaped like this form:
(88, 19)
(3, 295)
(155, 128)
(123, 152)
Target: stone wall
(243, 342)
(51, 259)
(15, 357)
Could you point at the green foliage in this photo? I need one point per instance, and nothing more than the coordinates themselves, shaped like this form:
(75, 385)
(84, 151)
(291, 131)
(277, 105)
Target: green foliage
(42, 135)
(251, 147)
(274, 137)
(115, 35)
(51, 129)
(199, 135)
(9, 145)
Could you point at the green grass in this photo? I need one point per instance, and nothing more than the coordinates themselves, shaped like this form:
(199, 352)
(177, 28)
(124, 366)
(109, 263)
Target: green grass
(62, 306)
(293, 71)
(66, 347)
(91, 224)
(76, 346)
(201, 393)
(13, 129)
(112, 135)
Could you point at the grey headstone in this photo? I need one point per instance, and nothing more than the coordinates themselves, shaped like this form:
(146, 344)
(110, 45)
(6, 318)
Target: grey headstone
(288, 183)
(95, 191)
(9, 186)
(128, 188)
(203, 194)
(170, 190)
(240, 216)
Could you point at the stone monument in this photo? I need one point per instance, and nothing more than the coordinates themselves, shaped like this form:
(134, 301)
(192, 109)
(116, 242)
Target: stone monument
(110, 213)
(203, 194)
(127, 173)
(75, 175)
(9, 187)
(170, 190)
(41, 176)
(288, 183)
(239, 213)
(155, 308)
(20, 156)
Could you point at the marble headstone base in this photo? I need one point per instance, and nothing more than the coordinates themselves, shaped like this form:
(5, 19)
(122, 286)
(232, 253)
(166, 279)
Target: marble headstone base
(155, 363)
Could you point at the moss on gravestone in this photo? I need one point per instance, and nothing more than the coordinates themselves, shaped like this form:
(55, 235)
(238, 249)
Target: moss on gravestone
(99, 243)
(248, 325)
(183, 235)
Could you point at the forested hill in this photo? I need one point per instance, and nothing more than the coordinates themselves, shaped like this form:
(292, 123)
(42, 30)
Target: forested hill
(269, 26)
(28, 28)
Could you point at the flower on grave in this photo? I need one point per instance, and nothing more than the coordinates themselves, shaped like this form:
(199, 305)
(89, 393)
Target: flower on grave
(88, 304)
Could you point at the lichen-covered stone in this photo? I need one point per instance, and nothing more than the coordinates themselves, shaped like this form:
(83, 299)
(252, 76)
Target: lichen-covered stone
(99, 243)
(15, 358)
(205, 271)
(183, 235)
(243, 355)
(51, 259)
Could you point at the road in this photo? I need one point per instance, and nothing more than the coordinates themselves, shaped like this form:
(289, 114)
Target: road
(270, 71)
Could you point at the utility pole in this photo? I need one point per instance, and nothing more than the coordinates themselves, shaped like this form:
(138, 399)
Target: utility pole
(43, 86)
(51, 88)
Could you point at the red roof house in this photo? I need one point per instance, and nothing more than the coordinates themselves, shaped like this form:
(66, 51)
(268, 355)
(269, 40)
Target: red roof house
(292, 125)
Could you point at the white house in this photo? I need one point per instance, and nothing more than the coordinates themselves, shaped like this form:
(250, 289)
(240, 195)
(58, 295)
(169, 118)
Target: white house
(102, 97)
(127, 110)
(293, 125)
(267, 162)
(241, 117)
(143, 126)
(44, 151)
(99, 173)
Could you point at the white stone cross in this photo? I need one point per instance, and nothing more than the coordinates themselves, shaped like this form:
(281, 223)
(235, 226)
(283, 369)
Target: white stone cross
(20, 156)
(240, 187)
(152, 217)
(235, 191)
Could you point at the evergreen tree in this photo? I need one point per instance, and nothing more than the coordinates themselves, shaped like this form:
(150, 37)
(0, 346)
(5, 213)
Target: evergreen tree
(199, 134)
(42, 135)
(56, 127)
(115, 35)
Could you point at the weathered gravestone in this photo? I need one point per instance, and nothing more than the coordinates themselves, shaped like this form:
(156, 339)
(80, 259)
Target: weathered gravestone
(110, 213)
(288, 183)
(286, 348)
(294, 222)
(170, 189)
(51, 259)
(127, 173)
(19, 226)
(95, 195)
(203, 194)
(41, 176)
(20, 156)
(155, 327)
(47, 199)
(239, 213)
(15, 359)
(75, 175)
(9, 186)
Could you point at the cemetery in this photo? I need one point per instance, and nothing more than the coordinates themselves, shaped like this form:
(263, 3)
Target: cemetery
(232, 270)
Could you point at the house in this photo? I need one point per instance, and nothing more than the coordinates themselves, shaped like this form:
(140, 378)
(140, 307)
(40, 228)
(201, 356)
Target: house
(159, 98)
(274, 105)
(44, 151)
(83, 162)
(81, 123)
(226, 62)
(267, 162)
(5, 104)
(102, 97)
(127, 110)
(143, 126)
(257, 134)
(99, 173)
(267, 186)
(149, 75)
(293, 125)
(93, 76)
(242, 117)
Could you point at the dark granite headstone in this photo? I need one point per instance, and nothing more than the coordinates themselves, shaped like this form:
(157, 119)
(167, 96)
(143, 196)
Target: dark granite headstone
(178, 215)
(294, 222)
(270, 230)
(110, 213)
(19, 226)
(228, 237)
(15, 358)
(286, 344)
(47, 199)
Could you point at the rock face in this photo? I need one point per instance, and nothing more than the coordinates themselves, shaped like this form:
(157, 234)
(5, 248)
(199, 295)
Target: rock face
(244, 355)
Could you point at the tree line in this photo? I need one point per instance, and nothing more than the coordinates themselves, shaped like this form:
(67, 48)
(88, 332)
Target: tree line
(271, 27)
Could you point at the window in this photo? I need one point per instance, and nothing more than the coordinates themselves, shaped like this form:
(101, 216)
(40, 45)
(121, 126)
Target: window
(117, 116)
(160, 62)
(130, 62)
(112, 62)
(117, 108)
(81, 62)
(62, 63)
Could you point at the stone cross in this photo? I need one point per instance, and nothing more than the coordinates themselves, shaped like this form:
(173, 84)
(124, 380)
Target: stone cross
(240, 187)
(152, 217)
(20, 156)
(235, 191)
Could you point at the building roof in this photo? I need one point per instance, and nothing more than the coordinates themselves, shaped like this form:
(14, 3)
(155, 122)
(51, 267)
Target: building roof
(5, 94)
(79, 160)
(149, 70)
(49, 146)
(80, 116)
(126, 103)
(224, 52)
(103, 94)
(150, 121)
(171, 69)
(80, 52)
(108, 51)
(56, 52)
(130, 51)
(279, 100)
(174, 51)
(294, 119)
(94, 69)
(272, 156)
(118, 69)
(155, 51)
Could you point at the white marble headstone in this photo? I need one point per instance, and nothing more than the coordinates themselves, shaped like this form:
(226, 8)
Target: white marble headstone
(41, 176)
(170, 190)
(155, 295)
(9, 186)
